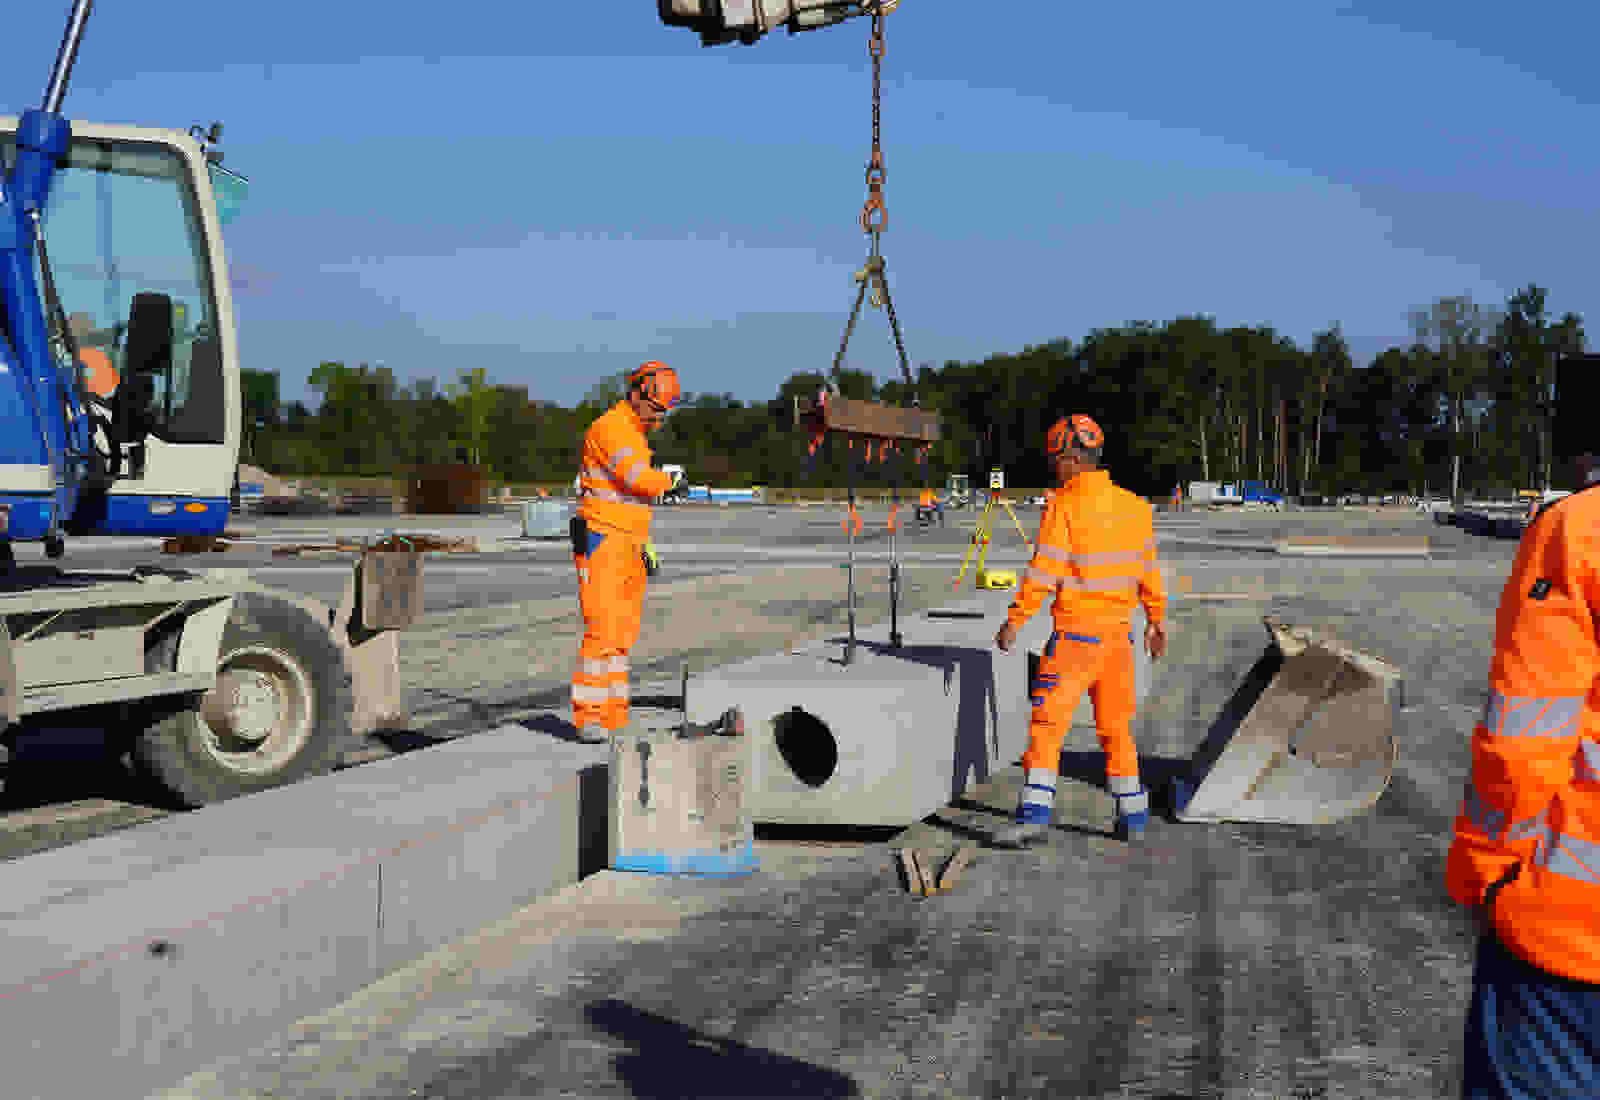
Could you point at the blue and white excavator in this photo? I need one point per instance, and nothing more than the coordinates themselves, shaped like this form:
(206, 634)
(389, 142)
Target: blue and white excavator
(120, 415)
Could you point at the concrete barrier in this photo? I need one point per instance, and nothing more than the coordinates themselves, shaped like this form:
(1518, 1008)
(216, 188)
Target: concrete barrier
(897, 733)
(130, 960)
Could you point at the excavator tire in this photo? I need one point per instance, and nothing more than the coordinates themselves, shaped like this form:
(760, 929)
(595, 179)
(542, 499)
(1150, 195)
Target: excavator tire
(281, 710)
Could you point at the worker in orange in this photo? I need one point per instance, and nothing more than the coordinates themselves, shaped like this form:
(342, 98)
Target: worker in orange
(928, 507)
(611, 544)
(1096, 552)
(1526, 852)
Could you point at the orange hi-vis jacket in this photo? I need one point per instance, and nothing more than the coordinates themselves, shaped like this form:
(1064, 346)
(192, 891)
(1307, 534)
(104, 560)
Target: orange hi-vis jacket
(1096, 551)
(615, 482)
(1531, 813)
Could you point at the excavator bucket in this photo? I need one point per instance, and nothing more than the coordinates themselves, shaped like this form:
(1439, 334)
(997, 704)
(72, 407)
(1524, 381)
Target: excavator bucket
(1308, 738)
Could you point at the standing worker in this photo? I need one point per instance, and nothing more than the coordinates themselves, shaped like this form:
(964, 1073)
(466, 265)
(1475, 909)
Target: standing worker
(1096, 551)
(611, 545)
(1526, 854)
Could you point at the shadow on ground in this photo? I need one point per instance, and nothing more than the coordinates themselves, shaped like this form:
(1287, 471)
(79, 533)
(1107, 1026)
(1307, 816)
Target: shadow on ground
(669, 1058)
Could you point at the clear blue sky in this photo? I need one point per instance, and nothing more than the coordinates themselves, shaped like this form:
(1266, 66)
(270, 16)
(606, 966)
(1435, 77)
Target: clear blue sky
(555, 191)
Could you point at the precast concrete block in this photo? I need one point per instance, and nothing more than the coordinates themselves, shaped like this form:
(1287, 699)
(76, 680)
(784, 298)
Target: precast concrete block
(679, 805)
(128, 961)
(897, 732)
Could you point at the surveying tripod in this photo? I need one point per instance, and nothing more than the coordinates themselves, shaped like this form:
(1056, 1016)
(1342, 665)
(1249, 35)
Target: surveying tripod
(983, 534)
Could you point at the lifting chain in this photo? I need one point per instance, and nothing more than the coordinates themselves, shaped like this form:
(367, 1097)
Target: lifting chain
(874, 218)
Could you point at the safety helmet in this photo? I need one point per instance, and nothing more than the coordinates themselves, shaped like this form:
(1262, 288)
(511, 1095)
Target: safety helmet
(657, 382)
(1076, 430)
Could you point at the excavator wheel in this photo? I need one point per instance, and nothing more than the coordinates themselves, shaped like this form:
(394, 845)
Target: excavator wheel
(281, 710)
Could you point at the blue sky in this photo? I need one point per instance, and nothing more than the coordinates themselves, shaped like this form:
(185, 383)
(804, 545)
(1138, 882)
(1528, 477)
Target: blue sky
(557, 191)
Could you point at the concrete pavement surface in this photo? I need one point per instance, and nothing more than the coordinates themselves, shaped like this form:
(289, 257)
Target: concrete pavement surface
(1232, 961)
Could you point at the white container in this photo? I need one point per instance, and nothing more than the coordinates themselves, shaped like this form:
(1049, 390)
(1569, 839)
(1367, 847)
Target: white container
(546, 519)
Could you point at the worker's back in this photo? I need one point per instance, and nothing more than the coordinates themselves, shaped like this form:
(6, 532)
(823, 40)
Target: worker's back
(1105, 537)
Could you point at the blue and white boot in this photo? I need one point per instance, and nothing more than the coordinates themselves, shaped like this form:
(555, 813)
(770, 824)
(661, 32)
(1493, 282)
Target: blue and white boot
(1133, 807)
(1034, 811)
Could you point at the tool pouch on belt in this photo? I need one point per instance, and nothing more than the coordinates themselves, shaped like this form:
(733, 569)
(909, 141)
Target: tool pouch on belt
(579, 530)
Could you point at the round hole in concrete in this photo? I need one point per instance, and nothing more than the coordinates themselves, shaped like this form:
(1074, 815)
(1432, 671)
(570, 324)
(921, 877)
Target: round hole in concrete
(807, 745)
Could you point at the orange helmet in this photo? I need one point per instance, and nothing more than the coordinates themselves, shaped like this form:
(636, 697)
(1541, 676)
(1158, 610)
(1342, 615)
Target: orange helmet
(658, 383)
(1075, 430)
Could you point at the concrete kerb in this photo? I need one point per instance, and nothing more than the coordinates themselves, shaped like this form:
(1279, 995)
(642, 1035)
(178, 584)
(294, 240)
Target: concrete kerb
(132, 959)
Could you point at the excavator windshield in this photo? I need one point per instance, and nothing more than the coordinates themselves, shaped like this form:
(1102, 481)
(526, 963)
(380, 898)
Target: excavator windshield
(123, 218)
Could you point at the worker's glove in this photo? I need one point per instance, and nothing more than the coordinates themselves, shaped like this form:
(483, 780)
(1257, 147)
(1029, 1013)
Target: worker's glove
(652, 563)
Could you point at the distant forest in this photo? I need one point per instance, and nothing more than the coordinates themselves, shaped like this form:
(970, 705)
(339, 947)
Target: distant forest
(1180, 401)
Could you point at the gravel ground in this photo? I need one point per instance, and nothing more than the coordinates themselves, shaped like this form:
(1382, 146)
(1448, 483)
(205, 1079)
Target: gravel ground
(1227, 961)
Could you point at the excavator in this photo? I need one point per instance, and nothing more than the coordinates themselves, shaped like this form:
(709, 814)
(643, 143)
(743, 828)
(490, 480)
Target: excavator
(120, 416)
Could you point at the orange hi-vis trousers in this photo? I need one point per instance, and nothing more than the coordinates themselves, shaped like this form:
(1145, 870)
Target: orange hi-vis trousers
(611, 581)
(1099, 659)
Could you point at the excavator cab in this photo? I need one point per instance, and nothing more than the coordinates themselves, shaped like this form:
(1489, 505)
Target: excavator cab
(135, 258)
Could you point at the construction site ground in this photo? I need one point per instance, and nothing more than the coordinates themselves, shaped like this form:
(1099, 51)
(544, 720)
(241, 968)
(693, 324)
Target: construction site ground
(1213, 960)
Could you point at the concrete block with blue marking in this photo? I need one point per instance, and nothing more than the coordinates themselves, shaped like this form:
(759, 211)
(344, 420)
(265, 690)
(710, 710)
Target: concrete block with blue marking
(681, 805)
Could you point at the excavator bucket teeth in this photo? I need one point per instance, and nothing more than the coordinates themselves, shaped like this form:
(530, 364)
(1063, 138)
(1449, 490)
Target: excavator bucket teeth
(1307, 739)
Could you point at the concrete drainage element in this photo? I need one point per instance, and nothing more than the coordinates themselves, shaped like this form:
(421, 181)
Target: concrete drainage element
(806, 745)
(898, 732)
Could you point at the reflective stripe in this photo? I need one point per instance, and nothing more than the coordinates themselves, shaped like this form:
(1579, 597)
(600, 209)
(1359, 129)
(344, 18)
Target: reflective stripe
(1532, 715)
(1097, 557)
(622, 455)
(1586, 762)
(612, 494)
(1123, 784)
(619, 690)
(1039, 576)
(617, 664)
(1565, 854)
(587, 693)
(597, 667)
(1138, 803)
(1484, 817)
(595, 473)
(1109, 557)
(1535, 828)
(1099, 584)
(1039, 788)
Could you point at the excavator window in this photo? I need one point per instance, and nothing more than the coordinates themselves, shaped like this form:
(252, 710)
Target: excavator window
(124, 218)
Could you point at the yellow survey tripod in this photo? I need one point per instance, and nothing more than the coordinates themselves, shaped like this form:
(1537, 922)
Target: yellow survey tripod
(983, 534)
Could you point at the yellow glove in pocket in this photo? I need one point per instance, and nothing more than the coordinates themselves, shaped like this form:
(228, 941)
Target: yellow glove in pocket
(652, 563)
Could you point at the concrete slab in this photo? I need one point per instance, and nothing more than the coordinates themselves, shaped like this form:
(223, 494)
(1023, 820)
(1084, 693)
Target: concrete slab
(128, 960)
(895, 734)
(1388, 546)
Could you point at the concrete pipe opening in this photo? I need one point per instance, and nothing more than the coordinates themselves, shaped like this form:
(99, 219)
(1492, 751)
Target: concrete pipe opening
(807, 745)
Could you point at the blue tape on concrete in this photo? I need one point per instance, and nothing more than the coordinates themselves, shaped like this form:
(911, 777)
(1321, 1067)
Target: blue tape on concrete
(739, 862)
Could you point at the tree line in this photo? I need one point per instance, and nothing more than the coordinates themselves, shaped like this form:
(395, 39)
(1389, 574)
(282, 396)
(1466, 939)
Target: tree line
(1466, 407)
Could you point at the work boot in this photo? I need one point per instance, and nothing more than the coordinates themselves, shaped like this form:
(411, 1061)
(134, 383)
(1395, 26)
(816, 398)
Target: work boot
(591, 734)
(1133, 809)
(1034, 810)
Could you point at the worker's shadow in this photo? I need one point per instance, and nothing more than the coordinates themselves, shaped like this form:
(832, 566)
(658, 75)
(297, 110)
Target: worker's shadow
(671, 1060)
(969, 671)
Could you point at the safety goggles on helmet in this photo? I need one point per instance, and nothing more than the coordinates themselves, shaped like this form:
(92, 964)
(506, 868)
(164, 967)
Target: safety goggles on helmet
(657, 383)
(1076, 430)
